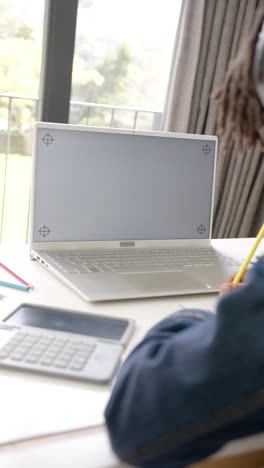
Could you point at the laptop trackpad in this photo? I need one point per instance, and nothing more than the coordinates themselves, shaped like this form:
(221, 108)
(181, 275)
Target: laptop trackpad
(169, 282)
(214, 276)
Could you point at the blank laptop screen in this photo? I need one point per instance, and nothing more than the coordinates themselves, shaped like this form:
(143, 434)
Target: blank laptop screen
(111, 186)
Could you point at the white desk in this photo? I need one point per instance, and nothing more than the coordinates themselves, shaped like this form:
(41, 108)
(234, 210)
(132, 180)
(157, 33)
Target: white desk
(32, 404)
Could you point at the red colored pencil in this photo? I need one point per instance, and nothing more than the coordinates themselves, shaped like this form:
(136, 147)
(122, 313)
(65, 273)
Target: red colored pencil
(15, 275)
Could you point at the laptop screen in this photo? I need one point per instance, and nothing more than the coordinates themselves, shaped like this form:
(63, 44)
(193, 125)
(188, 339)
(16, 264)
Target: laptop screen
(101, 186)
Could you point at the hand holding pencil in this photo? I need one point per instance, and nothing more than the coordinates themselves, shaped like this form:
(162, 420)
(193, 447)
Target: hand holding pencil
(235, 281)
(229, 286)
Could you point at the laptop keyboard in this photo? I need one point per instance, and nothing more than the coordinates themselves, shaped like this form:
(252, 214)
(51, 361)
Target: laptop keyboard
(138, 260)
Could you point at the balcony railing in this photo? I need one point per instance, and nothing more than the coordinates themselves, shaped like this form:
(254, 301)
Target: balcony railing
(17, 116)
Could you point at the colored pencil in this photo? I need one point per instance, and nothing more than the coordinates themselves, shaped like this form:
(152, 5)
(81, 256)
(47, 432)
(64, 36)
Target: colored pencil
(14, 286)
(244, 265)
(14, 275)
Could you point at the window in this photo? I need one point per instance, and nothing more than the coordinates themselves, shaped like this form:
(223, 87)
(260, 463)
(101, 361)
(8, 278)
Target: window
(122, 60)
(20, 61)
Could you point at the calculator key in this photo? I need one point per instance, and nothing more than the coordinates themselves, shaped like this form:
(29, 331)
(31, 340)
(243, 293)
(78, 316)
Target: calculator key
(82, 356)
(15, 340)
(40, 348)
(51, 355)
(69, 349)
(4, 353)
(34, 352)
(87, 349)
(22, 349)
(61, 341)
(21, 335)
(25, 345)
(31, 339)
(80, 348)
(66, 355)
(32, 358)
(79, 361)
(62, 363)
(8, 348)
(77, 366)
(16, 356)
(46, 361)
(46, 340)
(56, 349)
(76, 343)
(84, 353)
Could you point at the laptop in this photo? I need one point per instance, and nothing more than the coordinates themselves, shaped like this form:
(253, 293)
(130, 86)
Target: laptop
(119, 214)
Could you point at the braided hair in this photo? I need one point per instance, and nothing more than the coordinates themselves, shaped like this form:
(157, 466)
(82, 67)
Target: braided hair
(240, 112)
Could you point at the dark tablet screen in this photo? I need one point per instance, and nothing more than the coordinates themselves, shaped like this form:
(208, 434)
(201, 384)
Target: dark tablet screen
(83, 324)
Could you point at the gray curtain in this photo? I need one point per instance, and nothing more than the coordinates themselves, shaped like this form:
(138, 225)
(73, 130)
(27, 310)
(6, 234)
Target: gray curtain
(209, 35)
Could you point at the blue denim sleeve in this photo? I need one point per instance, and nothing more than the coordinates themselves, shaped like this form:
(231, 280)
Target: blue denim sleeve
(194, 382)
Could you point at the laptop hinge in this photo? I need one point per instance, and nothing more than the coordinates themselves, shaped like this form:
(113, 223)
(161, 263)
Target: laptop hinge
(127, 244)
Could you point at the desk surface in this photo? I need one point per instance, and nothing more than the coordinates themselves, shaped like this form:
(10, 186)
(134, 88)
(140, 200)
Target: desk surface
(33, 404)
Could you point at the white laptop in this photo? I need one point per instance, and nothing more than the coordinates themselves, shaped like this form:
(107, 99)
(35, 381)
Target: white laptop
(121, 214)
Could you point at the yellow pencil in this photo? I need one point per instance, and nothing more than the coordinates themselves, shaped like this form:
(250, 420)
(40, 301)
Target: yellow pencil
(243, 268)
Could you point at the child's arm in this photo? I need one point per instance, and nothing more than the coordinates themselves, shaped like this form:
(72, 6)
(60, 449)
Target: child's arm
(194, 383)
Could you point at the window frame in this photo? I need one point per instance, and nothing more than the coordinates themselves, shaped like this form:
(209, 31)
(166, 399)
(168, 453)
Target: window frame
(60, 16)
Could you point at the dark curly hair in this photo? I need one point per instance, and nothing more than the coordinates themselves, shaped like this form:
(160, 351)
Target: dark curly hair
(240, 112)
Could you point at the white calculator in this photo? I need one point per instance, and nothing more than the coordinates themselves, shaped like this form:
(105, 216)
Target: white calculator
(63, 343)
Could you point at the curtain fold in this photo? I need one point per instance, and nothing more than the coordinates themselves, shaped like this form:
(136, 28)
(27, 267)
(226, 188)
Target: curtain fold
(209, 35)
(184, 66)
